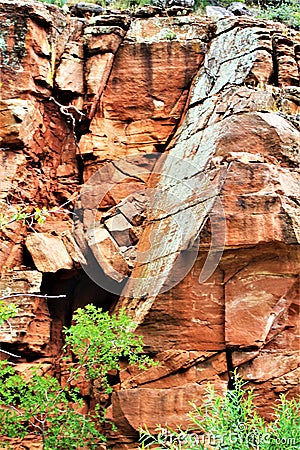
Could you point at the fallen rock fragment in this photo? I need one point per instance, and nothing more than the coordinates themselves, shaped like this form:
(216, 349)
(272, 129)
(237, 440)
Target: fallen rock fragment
(48, 252)
(107, 253)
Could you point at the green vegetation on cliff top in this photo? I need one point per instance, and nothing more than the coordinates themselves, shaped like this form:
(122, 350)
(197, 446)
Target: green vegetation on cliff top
(285, 11)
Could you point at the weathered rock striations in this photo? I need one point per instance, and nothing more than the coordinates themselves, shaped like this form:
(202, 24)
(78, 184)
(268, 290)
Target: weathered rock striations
(182, 134)
(243, 307)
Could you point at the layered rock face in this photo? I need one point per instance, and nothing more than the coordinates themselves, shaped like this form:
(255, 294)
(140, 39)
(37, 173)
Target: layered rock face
(182, 135)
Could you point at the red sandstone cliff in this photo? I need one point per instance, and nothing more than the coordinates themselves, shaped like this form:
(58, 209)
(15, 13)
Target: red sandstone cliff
(191, 130)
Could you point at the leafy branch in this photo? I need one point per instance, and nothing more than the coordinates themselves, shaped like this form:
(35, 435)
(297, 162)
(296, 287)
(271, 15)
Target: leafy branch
(231, 422)
(98, 341)
(30, 216)
(41, 406)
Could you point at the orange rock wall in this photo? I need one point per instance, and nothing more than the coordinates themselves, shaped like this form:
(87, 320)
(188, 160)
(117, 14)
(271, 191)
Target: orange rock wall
(192, 129)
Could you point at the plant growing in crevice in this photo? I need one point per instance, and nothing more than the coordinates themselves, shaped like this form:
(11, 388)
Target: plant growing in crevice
(98, 341)
(168, 33)
(29, 215)
(231, 422)
(7, 311)
(19, 213)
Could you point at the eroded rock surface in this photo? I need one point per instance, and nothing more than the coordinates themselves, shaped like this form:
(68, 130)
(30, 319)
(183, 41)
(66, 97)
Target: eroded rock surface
(185, 134)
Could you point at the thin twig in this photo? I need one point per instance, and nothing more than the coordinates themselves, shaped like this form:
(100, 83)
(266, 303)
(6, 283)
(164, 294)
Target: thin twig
(10, 354)
(46, 212)
(10, 327)
(32, 295)
(69, 110)
(20, 414)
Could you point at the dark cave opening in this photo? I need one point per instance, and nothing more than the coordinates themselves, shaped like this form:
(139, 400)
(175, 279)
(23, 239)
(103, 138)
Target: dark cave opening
(27, 259)
(79, 290)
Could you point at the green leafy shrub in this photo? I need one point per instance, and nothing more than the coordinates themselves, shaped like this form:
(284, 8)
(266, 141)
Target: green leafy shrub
(287, 12)
(99, 340)
(126, 4)
(15, 214)
(200, 5)
(232, 423)
(40, 406)
(115, 4)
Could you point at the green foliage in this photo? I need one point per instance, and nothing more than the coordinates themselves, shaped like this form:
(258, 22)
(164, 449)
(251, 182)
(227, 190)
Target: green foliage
(38, 216)
(60, 3)
(41, 407)
(168, 33)
(287, 12)
(21, 214)
(7, 311)
(200, 5)
(28, 215)
(231, 422)
(226, 3)
(121, 4)
(99, 340)
(115, 4)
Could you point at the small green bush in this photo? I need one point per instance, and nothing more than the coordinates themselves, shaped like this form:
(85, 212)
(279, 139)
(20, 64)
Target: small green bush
(200, 5)
(287, 12)
(99, 340)
(40, 406)
(232, 423)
